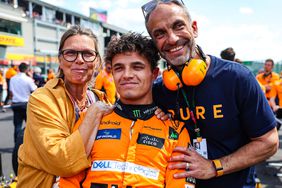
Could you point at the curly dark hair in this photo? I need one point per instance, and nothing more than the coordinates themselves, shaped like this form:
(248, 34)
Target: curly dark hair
(133, 42)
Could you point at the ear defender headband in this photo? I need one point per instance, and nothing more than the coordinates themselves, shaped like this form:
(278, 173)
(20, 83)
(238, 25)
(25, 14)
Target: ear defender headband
(192, 74)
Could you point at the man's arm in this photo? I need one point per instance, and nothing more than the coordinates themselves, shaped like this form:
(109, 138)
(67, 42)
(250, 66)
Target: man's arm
(257, 150)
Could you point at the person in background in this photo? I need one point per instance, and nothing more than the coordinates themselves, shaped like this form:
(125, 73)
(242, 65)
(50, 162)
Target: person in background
(132, 128)
(276, 99)
(220, 101)
(12, 71)
(268, 79)
(21, 86)
(52, 145)
(37, 77)
(105, 82)
(261, 86)
(50, 74)
(238, 60)
(228, 54)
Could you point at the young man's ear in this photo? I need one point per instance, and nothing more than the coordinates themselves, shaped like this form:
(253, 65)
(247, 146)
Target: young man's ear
(156, 72)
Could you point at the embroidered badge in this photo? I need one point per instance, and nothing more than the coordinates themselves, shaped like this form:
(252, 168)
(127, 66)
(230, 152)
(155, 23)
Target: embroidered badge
(150, 140)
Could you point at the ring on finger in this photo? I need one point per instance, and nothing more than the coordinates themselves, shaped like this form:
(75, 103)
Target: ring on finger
(187, 166)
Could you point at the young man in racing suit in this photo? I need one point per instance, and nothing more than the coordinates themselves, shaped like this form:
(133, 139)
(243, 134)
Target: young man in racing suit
(132, 147)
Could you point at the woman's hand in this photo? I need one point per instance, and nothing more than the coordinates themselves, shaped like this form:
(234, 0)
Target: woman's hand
(100, 108)
(90, 124)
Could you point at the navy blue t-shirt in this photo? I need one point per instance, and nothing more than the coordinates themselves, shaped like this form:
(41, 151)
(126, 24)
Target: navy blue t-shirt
(230, 108)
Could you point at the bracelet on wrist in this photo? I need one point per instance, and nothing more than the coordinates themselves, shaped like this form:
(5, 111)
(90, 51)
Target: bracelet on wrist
(218, 167)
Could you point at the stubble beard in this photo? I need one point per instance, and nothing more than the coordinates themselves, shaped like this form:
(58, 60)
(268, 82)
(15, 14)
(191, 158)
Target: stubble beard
(181, 60)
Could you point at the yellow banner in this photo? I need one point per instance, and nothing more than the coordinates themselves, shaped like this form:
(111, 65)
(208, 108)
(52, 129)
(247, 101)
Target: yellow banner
(11, 41)
(27, 57)
(46, 59)
(19, 57)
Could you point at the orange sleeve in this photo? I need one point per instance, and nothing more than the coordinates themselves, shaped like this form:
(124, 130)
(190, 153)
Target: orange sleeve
(272, 92)
(71, 182)
(79, 121)
(14, 73)
(183, 140)
(258, 78)
(99, 81)
(275, 77)
(262, 87)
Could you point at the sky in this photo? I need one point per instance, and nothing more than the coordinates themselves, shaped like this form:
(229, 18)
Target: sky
(252, 27)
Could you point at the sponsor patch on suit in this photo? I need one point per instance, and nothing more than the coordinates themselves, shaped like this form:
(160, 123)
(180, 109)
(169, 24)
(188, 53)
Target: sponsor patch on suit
(108, 134)
(150, 140)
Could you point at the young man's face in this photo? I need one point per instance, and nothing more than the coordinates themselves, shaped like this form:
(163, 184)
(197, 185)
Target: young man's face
(133, 78)
(173, 33)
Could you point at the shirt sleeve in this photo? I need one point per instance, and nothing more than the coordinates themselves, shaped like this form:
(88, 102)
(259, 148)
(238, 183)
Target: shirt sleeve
(255, 113)
(32, 85)
(61, 151)
(11, 87)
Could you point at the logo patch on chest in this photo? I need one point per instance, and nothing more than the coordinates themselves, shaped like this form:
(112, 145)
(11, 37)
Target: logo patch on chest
(150, 140)
(173, 134)
(108, 134)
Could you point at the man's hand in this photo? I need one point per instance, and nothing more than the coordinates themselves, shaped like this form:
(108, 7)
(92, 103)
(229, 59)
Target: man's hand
(199, 167)
(161, 115)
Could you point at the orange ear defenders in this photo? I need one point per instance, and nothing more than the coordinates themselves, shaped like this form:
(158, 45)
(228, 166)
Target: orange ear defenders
(192, 74)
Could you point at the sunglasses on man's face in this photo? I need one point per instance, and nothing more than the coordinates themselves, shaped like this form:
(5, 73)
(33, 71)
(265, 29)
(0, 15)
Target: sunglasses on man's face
(151, 5)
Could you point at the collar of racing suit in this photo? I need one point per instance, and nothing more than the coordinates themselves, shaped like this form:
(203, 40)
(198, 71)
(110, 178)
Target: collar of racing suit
(134, 112)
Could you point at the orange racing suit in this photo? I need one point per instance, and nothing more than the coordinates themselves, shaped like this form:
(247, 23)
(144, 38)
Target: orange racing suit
(132, 151)
(270, 81)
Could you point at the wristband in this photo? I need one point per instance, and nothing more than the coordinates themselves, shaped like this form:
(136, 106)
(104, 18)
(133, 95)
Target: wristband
(218, 167)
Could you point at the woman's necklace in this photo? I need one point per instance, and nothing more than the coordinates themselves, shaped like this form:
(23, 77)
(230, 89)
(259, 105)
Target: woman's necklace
(81, 105)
